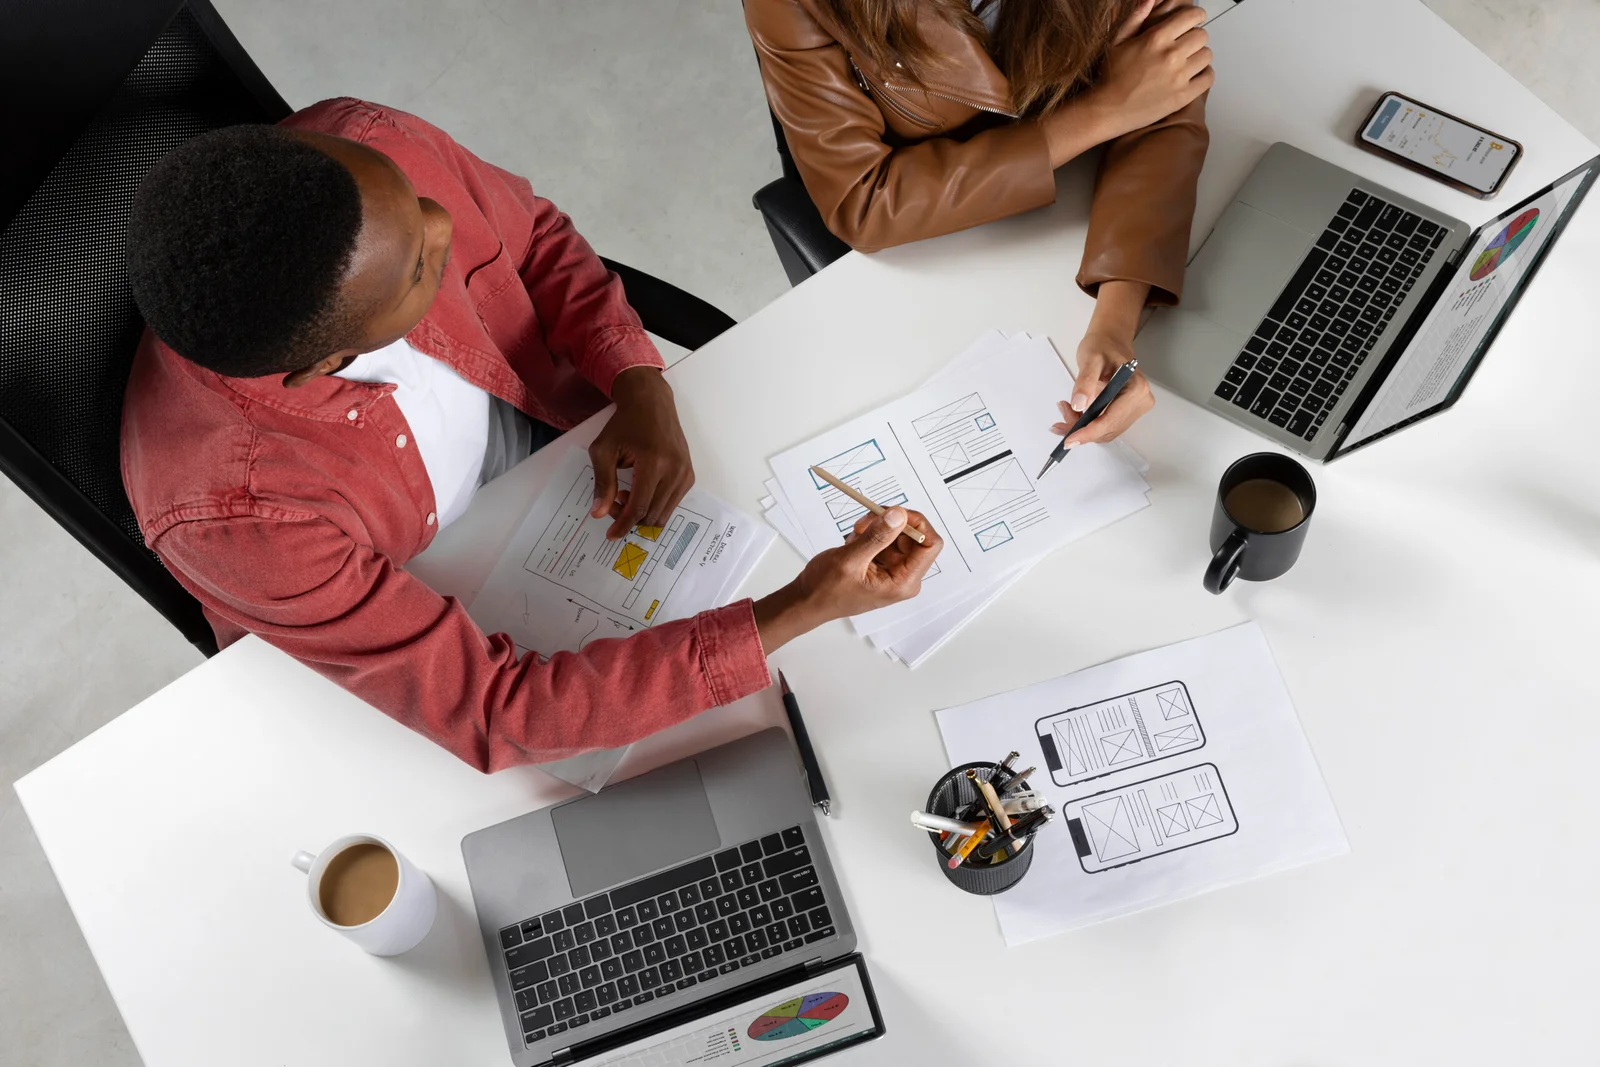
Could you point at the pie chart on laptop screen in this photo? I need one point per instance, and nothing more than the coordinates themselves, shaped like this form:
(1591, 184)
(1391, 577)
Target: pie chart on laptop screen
(1504, 244)
(797, 1017)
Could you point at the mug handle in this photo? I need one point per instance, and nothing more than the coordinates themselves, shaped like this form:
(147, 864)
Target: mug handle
(302, 861)
(1225, 564)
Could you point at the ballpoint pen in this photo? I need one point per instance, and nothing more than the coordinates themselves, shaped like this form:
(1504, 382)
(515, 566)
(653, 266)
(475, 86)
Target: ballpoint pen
(802, 741)
(1120, 378)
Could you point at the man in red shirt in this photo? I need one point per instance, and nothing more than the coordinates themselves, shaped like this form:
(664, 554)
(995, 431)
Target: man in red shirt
(353, 321)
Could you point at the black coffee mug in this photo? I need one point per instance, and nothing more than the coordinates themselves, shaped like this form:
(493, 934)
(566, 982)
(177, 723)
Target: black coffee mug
(1264, 507)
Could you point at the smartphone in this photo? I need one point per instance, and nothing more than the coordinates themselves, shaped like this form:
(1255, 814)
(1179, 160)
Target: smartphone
(1451, 150)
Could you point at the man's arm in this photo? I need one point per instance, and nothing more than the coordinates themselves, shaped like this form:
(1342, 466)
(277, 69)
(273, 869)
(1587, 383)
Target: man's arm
(349, 614)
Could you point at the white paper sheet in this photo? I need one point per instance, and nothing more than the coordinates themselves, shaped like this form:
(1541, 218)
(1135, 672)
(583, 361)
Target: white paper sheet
(1183, 768)
(560, 584)
(954, 450)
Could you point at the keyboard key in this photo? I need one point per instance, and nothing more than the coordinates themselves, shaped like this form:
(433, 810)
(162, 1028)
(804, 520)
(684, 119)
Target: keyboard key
(611, 968)
(772, 844)
(1256, 345)
(586, 1001)
(704, 912)
(568, 984)
(693, 963)
(671, 971)
(794, 837)
(589, 976)
(756, 940)
(750, 873)
(782, 909)
(1342, 249)
(1325, 277)
(1299, 423)
(1299, 387)
(1277, 350)
(697, 938)
(564, 940)
(751, 851)
(668, 903)
(663, 927)
(750, 958)
(633, 960)
(795, 881)
(646, 910)
(642, 936)
(727, 905)
(1248, 391)
(559, 965)
(1328, 239)
(675, 946)
(527, 999)
(579, 957)
(760, 916)
(1322, 387)
(628, 986)
(748, 897)
(729, 967)
(601, 950)
(1368, 213)
(627, 917)
(1278, 381)
(644, 997)
(818, 935)
(689, 895)
(799, 926)
(511, 937)
(532, 951)
(621, 942)
(548, 991)
(529, 975)
(718, 931)
(655, 952)
(578, 1020)
(552, 922)
(1390, 218)
(728, 859)
(564, 1009)
(739, 923)
(1266, 400)
(606, 925)
(684, 920)
(649, 978)
(713, 955)
(734, 947)
(730, 881)
(537, 1019)
(1280, 417)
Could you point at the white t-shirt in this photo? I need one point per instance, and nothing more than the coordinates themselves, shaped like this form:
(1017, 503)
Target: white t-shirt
(448, 416)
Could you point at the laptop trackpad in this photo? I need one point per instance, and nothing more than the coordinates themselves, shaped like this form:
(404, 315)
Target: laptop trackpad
(635, 827)
(1244, 265)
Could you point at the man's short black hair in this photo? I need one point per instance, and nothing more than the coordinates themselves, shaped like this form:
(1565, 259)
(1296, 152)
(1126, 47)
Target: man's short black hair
(237, 244)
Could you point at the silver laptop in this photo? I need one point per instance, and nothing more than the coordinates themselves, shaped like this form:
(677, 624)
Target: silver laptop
(681, 916)
(1326, 312)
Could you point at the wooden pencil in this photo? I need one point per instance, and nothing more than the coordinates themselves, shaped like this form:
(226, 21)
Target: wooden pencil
(915, 535)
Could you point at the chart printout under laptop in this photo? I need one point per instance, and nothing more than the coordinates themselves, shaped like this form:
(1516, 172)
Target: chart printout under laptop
(560, 584)
(1176, 771)
(1486, 278)
(801, 1021)
(957, 450)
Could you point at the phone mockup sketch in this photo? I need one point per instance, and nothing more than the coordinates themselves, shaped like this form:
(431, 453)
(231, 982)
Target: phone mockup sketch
(1088, 742)
(1150, 818)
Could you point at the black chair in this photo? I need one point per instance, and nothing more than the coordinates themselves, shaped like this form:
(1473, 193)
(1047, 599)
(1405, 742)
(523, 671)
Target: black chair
(95, 91)
(805, 244)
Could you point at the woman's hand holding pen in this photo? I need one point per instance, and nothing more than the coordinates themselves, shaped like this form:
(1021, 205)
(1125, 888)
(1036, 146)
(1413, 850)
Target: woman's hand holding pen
(1107, 345)
(876, 567)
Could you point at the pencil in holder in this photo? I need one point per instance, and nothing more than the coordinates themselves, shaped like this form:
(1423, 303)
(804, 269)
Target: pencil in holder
(954, 794)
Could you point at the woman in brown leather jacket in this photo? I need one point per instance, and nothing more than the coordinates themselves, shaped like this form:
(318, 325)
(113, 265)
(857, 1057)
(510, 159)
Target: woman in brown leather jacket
(913, 118)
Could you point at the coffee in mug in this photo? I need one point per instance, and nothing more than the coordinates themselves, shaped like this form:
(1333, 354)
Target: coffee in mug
(365, 889)
(1264, 506)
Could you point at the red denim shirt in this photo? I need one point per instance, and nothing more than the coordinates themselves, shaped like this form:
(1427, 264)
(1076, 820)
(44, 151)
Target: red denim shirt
(289, 512)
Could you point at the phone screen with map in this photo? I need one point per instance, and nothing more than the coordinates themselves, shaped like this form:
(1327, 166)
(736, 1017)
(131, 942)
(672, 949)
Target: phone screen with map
(1423, 138)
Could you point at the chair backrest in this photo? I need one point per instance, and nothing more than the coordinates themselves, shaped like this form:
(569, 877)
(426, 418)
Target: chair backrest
(68, 324)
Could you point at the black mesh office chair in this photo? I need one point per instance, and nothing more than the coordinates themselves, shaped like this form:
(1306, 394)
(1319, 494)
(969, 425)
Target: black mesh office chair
(95, 91)
(805, 244)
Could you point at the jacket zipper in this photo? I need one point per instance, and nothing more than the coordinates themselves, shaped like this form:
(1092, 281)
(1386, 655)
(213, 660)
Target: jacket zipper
(886, 97)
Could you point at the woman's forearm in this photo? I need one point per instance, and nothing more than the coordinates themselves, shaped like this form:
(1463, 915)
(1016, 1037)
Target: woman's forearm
(1075, 127)
(1117, 307)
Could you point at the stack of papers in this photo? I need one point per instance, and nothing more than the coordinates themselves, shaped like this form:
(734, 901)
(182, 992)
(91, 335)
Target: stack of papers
(560, 584)
(964, 450)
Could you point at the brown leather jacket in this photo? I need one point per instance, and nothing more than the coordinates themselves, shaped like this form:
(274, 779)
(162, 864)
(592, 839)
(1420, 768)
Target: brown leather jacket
(888, 162)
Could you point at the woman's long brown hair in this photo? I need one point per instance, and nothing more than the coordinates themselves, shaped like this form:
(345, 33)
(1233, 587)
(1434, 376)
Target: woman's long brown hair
(1048, 49)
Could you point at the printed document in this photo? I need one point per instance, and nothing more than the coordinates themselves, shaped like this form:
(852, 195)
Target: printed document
(1172, 772)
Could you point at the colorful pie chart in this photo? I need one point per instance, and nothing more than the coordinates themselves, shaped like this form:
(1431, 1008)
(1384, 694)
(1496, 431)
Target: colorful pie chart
(1504, 244)
(797, 1017)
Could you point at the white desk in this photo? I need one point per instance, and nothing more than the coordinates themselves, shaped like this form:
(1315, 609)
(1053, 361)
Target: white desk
(1437, 635)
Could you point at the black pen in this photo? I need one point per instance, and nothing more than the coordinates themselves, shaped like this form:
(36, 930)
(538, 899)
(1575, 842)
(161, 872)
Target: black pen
(1123, 375)
(802, 741)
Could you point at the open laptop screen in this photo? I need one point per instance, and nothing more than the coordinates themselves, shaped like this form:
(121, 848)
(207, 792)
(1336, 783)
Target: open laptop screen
(792, 1024)
(1485, 285)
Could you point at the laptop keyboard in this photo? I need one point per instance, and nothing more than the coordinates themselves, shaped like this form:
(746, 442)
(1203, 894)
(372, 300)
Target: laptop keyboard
(664, 934)
(1310, 345)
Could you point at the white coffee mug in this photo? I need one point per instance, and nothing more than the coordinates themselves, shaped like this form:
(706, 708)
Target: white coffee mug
(401, 925)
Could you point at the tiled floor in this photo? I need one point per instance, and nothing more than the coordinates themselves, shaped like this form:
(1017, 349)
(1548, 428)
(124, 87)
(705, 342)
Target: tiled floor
(644, 121)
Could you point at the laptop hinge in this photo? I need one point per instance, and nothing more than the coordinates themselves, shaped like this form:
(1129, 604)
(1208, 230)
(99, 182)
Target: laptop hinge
(560, 1056)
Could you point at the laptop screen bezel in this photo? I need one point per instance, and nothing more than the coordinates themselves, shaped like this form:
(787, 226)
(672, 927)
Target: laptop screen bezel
(1402, 343)
(699, 1009)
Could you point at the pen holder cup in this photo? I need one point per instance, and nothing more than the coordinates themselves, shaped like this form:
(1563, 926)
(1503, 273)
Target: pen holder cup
(954, 793)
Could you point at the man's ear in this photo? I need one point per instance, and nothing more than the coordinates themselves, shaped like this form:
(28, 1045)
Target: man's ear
(295, 379)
